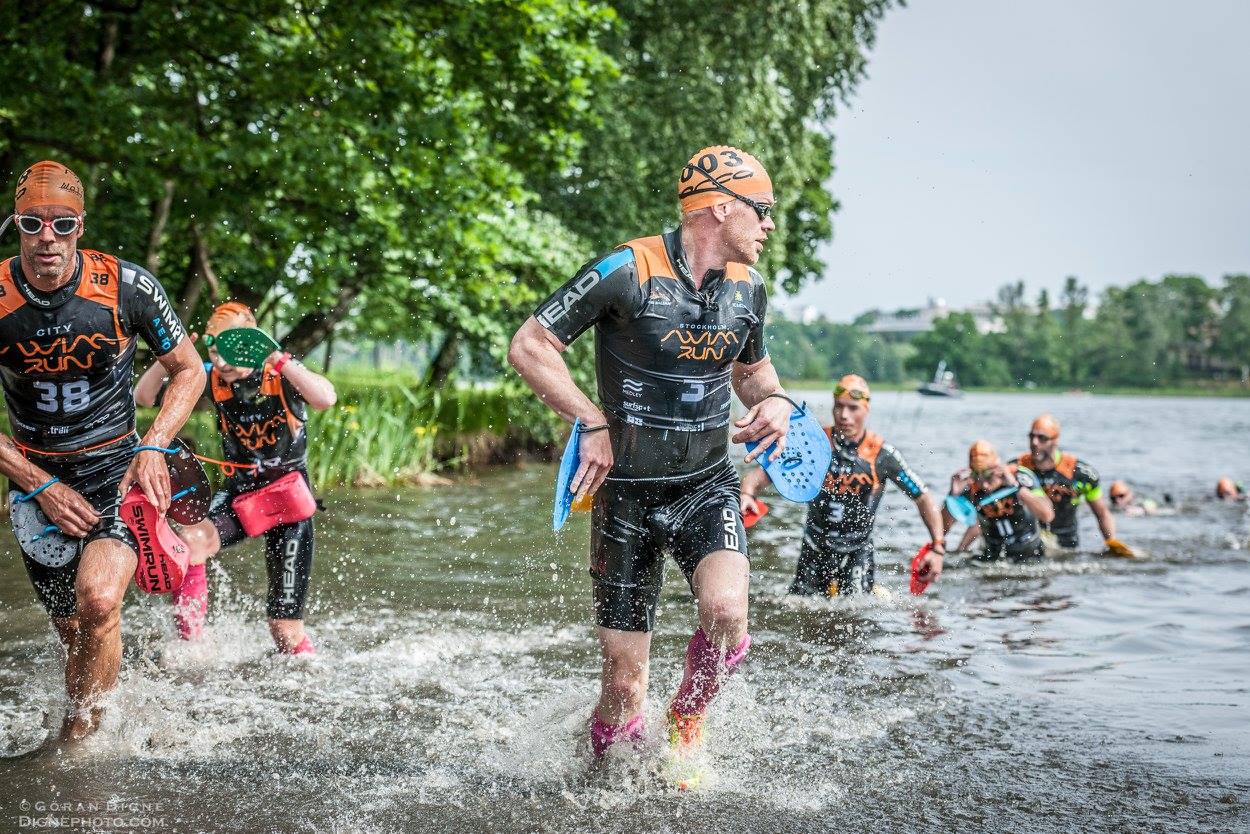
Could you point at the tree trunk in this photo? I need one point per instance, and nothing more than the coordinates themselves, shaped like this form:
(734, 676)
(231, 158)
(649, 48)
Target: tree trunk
(160, 216)
(316, 326)
(201, 273)
(444, 362)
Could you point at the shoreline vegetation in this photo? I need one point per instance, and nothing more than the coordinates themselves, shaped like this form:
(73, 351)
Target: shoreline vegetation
(388, 430)
(1194, 389)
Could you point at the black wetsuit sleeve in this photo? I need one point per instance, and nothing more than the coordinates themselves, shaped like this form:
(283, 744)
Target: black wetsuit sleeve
(146, 311)
(754, 349)
(892, 466)
(606, 286)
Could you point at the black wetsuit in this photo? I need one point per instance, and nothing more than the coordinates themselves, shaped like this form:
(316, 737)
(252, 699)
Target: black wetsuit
(1008, 527)
(1070, 482)
(66, 364)
(837, 554)
(262, 419)
(664, 355)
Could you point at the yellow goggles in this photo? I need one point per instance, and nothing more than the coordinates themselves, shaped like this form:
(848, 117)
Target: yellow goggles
(856, 394)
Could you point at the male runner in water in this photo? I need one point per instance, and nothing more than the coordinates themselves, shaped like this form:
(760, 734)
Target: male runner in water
(837, 552)
(68, 322)
(678, 318)
(1068, 481)
(1009, 524)
(261, 415)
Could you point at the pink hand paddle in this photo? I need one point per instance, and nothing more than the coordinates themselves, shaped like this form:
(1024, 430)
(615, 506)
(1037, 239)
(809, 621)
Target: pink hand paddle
(917, 584)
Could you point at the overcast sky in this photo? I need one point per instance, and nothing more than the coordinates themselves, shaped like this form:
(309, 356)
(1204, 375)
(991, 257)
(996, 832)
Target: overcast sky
(997, 141)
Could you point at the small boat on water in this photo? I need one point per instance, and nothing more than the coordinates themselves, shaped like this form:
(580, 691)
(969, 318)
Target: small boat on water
(942, 385)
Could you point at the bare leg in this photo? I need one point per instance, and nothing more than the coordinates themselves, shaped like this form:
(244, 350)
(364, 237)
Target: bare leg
(720, 585)
(623, 683)
(720, 644)
(67, 633)
(202, 540)
(95, 654)
(287, 634)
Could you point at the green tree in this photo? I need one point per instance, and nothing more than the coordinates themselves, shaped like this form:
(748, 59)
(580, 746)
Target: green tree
(321, 162)
(1233, 342)
(694, 75)
(956, 340)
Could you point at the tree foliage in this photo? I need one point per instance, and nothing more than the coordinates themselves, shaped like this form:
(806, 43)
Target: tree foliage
(1172, 331)
(422, 171)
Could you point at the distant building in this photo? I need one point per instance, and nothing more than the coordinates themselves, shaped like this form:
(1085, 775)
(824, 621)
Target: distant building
(905, 324)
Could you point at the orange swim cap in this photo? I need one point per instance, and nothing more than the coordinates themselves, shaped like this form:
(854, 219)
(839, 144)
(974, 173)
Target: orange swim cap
(224, 315)
(982, 456)
(1047, 425)
(1226, 488)
(48, 183)
(1120, 489)
(853, 386)
(720, 167)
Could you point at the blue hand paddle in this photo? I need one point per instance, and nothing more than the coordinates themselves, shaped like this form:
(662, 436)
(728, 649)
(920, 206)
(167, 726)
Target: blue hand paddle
(800, 471)
(569, 462)
(962, 510)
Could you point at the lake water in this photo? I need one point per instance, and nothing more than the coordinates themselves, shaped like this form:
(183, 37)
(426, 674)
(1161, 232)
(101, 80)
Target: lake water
(457, 667)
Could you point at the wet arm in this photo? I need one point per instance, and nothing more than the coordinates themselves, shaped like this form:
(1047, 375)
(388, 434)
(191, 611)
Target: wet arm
(22, 474)
(755, 382)
(1038, 504)
(535, 353)
(1106, 522)
(186, 384)
(148, 388)
(934, 520)
(754, 481)
(316, 390)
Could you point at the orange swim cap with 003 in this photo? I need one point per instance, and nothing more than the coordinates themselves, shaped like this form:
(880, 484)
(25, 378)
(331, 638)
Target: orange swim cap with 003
(710, 172)
(48, 183)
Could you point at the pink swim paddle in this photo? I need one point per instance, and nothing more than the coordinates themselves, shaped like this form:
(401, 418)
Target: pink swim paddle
(163, 557)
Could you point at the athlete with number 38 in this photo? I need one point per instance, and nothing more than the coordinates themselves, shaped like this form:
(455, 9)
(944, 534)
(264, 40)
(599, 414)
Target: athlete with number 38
(69, 319)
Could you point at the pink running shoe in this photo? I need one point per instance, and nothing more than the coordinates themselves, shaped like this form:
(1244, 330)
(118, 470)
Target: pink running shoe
(191, 603)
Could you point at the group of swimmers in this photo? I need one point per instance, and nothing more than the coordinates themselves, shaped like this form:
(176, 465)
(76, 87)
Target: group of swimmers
(679, 322)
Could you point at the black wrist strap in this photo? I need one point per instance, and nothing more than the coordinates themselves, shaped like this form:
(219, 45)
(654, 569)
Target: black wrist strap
(589, 429)
(781, 396)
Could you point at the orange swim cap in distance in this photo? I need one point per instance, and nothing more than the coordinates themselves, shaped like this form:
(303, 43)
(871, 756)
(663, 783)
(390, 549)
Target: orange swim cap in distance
(982, 456)
(1226, 488)
(710, 172)
(48, 183)
(853, 386)
(224, 316)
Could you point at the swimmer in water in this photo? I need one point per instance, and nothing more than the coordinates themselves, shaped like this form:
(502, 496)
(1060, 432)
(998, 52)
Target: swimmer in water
(1010, 523)
(837, 555)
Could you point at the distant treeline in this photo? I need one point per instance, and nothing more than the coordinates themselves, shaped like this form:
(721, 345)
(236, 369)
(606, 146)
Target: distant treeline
(1178, 330)
(824, 350)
